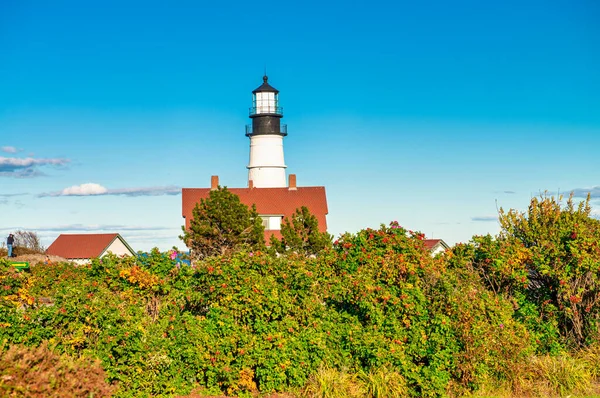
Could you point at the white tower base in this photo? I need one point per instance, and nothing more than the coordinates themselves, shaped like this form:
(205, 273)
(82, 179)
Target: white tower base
(267, 167)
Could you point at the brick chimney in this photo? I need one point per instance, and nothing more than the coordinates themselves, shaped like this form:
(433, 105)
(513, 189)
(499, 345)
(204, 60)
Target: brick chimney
(292, 183)
(214, 182)
(250, 184)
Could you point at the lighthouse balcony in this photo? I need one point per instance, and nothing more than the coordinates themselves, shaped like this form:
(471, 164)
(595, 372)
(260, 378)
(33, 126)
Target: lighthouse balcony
(250, 130)
(266, 110)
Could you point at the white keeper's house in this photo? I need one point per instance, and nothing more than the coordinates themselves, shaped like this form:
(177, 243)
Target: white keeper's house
(274, 195)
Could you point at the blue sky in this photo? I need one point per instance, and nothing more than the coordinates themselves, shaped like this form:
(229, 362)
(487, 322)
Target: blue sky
(430, 113)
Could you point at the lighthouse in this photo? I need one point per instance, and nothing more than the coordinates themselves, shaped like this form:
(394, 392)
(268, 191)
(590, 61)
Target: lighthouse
(275, 200)
(266, 168)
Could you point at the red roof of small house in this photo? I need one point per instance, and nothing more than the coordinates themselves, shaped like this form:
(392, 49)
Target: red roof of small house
(431, 243)
(268, 201)
(82, 245)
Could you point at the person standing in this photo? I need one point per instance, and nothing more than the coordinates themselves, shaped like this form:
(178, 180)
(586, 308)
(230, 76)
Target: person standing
(9, 244)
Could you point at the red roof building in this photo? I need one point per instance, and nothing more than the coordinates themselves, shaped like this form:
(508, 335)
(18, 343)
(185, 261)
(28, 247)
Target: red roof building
(436, 246)
(83, 247)
(272, 204)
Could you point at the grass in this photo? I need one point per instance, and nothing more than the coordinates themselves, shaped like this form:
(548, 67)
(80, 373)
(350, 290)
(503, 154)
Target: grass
(333, 383)
(574, 375)
(383, 383)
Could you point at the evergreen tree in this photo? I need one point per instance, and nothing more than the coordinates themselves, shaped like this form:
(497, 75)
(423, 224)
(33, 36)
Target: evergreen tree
(222, 224)
(301, 234)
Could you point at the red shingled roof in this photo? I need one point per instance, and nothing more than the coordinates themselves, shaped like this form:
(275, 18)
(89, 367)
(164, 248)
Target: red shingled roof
(431, 243)
(268, 201)
(81, 245)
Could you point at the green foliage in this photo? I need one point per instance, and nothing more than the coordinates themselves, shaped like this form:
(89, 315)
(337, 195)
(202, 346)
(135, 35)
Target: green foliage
(439, 326)
(221, 224)
(14, 284)
(548, 261)
(375, 305)
(372, 315)
(301, 234)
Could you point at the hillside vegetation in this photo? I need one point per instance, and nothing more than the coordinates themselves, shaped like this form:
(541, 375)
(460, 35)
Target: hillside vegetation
(374, 315)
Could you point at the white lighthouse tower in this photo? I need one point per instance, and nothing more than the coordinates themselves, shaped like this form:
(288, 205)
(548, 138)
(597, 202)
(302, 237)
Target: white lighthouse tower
(266, 168)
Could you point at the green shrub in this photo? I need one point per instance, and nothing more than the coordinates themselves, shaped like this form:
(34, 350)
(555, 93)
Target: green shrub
(547, 260)
(375, 309)
(301, 234)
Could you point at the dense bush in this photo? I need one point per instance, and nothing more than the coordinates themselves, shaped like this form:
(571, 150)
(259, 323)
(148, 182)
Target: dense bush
(439, 326)
(301, 235)
(253, 322)
(547, 260)
(372, 315)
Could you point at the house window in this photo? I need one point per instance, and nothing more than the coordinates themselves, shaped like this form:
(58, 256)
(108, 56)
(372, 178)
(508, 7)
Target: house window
(271, 222)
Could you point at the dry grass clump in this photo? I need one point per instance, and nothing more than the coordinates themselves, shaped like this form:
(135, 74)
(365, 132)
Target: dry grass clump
(38, 372)
(576, 375)
(383, 382)
(22, 251)
(19, 251)
(333, 383)
(561, 376)
(34, 259)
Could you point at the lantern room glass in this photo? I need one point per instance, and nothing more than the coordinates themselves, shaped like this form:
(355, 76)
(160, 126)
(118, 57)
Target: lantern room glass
(265, 102)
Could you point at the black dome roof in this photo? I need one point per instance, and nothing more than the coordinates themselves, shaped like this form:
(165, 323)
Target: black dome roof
(265, 87)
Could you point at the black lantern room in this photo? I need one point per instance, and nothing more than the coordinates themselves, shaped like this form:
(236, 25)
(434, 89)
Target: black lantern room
(265, 112)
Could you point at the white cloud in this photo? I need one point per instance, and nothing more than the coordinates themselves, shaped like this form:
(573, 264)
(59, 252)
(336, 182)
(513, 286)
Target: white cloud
(9, 149)
(84, 190)
(507, 192)
(8, 163)
(27, 167)
(583, 192)
(145, 230)
(93, 189)
(4, 198)
(148, 191)
(484, 218)
(99, 227)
